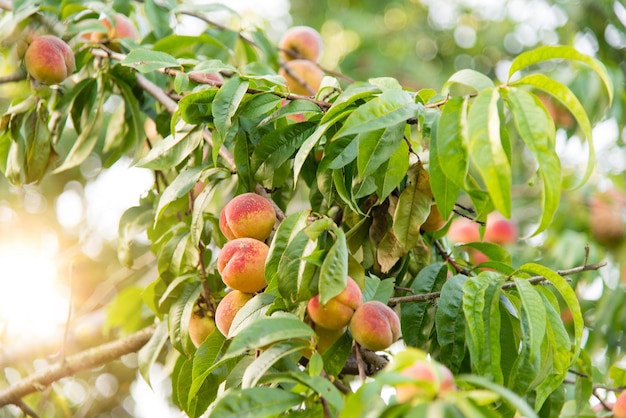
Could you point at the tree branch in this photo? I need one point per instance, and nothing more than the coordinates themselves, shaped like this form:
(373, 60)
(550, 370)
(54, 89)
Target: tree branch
(84, 360)
(425, 297)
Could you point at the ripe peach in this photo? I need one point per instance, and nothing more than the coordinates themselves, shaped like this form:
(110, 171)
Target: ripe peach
(200, 326)
(124, 28)
(228, 308)
(619, 409)
(302, 76)
(606, 221)
(463, 230)
(500, 230)
(300, 42)
(375, 326)
(434, 222)
(247, 216)
(337, 312)
(430, 380)
(49, 60)
(242, 264)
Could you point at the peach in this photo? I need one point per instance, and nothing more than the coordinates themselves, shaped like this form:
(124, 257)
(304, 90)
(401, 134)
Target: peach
(500, 230)
(200, 326)
(619, 409)
(247, 216)
(124, 28)
(430, 379)
(300, 42)
(242, 264)
(434, 221)
(228, 308)
(606, 221)
(303, 77)
(463, 230)
(337, 312)
(49, 60)
(375, 325)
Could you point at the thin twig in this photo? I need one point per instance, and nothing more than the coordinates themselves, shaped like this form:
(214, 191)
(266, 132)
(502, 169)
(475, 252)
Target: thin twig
(26, 409)
(12, 78)
(359, 362)
(442, 251)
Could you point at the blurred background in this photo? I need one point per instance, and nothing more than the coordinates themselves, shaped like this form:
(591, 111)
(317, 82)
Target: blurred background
(58, 248)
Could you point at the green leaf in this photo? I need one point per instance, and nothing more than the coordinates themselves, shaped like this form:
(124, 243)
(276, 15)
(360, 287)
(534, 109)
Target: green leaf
(37, 138)
(568, 295)
(352, 94)
(262, 364)
(254, 309)
(469, 78)
(481, 306)
(306, 149)
(293, 107)
(320, 385)
(389, 109)
(334, 270)
(286, 232)
(375, 147)
(444, 190)
(149, 353)
(509, 397)
(571, 103)
(533, 323)
(450, 323)
(486, 150)
(549, 52)
(391, 173)
(197, 107)
(537, 131)
(254, 403)
(412, 210)
(339, 153)
(266, 331)
(148, 61)
(289, 274)
(134, 220)
(178, 188)
(226, 102)
(452, 140)
(179, 315)
(173, 149)
(417, 318)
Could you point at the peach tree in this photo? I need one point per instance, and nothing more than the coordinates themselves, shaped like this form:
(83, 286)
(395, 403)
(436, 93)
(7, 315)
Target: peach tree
(354, 284)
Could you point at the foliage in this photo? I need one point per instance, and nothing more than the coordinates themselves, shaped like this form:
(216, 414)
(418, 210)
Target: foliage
(369, 160)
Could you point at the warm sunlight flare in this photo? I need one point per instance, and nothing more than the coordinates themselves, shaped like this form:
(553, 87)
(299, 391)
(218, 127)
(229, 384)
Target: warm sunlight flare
(32, 302)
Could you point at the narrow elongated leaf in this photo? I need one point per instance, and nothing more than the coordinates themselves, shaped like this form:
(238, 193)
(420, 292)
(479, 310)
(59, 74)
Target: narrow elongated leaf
(537, 131)
(389, 109)
(255, 371)
(568, 295)
(179, 315)
(486, 150)
(197, 107)
(452, 140)
(334, 269)
(450, 323)
(392, 172)
(533, 323)
(254, 403)
(568, 99)
(375, 147)
(412, 210)
(509, 397)
(147, 61)
(149, 353)
(286, 232)
(306, 149)
(339, 153)
(353, 93)
(267, 331)
(178, 188)
(173, 149)
(293, 107)
(319, 384)
(226, 102)
(481, 306)
(469, 78)
(444, 190)
(549, 52)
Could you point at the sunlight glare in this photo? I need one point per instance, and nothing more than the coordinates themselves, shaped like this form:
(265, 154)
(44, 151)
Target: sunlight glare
(32, 303)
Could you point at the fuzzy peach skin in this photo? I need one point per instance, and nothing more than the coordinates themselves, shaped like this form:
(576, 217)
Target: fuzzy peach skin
(304, 41)
(375, 326)
(430, 380)
(200, 326)
(242, 264)
(500, 230)
(619, 409)
(247, 216)
(337, 312)
(303, 77)
(49, 60)
(228, 308)
(124, 28)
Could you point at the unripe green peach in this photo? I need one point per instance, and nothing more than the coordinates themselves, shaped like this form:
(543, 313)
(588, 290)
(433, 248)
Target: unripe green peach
(200, 326)
(337, 312)
(375, 326)
(49, 60)
(431, 379)
(228, 308)
(242, 264)
(247, 216)
(303, 77)
(300, 42)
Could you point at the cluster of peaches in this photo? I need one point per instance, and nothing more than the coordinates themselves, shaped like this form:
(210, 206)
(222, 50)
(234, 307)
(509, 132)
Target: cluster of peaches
(300, 49)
